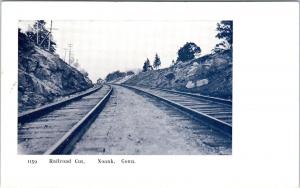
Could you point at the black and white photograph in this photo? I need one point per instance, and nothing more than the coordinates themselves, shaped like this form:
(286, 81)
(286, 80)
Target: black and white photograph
(125, 87)
(149, 94)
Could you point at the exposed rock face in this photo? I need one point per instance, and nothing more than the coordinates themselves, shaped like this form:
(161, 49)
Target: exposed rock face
(208, 75)
(43, 76)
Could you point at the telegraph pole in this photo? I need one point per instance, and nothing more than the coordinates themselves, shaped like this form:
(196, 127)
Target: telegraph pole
(65, 49)
(50, 36)
(70, 49)
(37, 33)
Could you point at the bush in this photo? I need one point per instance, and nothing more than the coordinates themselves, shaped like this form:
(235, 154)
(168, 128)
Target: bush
(170, 76)
(129, 73)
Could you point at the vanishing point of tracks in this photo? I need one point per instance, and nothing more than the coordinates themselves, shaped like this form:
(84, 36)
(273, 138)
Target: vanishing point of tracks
(57, 128)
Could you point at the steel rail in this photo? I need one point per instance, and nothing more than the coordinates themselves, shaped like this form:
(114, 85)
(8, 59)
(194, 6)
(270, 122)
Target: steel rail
(66, 143)
(38, 112)
(210, 121)
(215, 99)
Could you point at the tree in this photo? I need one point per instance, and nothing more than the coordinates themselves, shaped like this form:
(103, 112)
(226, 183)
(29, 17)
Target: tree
(225, 33)
(72, 60)
(157, 62)
(115, 75)
(40, 36)
(24, 42)
(83, 72)
(147, 66)
(31, 34)
(188, 51)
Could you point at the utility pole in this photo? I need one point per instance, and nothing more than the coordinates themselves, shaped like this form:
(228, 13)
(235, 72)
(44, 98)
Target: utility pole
(50, 36)
(37, 33)
(65, 49)
(70, 49)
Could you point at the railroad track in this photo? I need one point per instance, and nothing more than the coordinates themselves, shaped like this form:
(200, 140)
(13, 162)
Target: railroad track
(133, 123)
(214, 112)
(55, 128)
(58, 127)
(29, 115)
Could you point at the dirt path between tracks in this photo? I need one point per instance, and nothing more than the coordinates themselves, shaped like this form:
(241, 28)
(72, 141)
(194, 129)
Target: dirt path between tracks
(133, 124)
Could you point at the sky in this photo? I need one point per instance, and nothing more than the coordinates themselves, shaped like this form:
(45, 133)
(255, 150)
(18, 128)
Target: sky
(105, 46)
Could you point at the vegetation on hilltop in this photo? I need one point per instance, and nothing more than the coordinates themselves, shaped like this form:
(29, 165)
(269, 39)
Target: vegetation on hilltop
(210, 74)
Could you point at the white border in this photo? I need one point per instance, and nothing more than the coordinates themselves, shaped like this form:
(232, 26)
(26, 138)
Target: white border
(265, 102)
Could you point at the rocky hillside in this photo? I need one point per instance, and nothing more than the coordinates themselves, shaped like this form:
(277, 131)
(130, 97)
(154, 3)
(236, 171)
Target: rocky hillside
(208, 75)
(43, 76)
